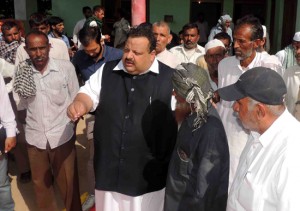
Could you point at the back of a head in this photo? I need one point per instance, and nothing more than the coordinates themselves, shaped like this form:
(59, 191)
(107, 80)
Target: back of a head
(37, 19)
(143, 31)
(86, 9)
(223, 36)
(98, 8)
(87, 34)
(54, 20)
(254, 23)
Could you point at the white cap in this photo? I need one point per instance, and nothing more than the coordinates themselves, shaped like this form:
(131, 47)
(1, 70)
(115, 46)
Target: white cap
(265, 30)
(297, 37)
(213, 43)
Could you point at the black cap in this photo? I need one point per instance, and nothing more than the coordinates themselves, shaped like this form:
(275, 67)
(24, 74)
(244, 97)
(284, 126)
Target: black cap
(260, 83)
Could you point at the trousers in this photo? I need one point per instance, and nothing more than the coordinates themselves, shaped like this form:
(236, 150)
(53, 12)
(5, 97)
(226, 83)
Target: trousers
(59, 163)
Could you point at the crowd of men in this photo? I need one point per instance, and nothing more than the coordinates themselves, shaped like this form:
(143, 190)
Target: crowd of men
(191, 127)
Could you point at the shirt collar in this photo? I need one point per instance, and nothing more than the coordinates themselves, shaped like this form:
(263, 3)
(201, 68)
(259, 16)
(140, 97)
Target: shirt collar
(251, 65)
(266, 138)
(198, 49)
(51, 66)
(153, 68)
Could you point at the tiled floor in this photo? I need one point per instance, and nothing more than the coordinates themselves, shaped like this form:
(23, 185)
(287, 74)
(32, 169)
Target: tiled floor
(23, 194)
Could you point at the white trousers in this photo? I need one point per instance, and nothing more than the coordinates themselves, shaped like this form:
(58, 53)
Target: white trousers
(113, 201)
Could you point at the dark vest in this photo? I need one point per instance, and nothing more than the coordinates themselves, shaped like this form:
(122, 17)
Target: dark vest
(135, 131)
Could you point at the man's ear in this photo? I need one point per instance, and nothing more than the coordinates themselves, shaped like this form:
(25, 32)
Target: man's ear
(256, 43)
(261, 111)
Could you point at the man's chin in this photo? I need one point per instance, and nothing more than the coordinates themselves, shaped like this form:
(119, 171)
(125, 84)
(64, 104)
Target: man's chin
(238, 57)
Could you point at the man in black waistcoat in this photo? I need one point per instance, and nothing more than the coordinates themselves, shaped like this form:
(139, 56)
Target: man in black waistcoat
(135, 130)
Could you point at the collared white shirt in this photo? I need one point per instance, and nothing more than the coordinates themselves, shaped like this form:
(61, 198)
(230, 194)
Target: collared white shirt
(181, 54)
(7, 116)
(47, 119)
(272, 62)
(7, 70)
(292, 81)
(229, 71)
(92, 87)
(168, 58)
(270, 181)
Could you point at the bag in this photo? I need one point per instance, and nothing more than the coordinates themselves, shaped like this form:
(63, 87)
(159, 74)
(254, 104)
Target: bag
(2, 140)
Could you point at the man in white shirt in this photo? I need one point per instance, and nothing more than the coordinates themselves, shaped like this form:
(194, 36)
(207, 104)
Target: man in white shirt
(161, 31)
(46, 87)
(287, 55)
(7, 121)
(292, 81)
(87, 12)
(189, 51)
(223, 25)
(267, 178)
(247, 35)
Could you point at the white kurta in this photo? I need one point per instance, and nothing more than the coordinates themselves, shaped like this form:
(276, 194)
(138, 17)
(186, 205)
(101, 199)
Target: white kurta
(181, 53)
(292, 81)
(268, 175)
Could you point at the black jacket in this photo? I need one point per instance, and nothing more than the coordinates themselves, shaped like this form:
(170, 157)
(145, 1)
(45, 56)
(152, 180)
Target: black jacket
(135, 131)
(199, 168)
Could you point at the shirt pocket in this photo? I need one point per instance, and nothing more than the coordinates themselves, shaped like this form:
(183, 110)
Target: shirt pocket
(59, 94)
(182, 162)
(250, 194)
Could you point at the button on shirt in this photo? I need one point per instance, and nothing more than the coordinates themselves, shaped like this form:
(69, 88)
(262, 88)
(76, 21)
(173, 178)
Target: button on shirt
(180, 53)
(47, 119)
(267, 177)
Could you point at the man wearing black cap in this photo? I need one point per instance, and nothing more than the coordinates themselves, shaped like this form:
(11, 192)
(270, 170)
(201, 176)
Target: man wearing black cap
(268, 174)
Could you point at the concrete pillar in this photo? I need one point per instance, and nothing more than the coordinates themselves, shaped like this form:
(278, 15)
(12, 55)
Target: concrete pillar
(138, 11)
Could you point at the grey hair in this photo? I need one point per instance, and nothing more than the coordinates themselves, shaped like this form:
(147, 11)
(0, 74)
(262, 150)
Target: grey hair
(276, 110)
(162, 24)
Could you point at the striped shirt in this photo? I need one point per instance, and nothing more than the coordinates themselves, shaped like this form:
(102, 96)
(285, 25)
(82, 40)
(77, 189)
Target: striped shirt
(47, 119)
